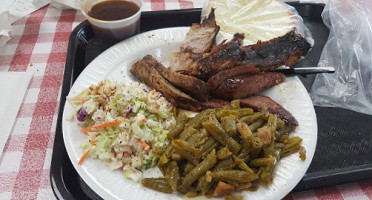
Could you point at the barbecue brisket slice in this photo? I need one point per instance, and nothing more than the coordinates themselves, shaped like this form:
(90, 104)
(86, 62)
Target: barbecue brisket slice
(243, 86)
(189, 84)
(146, 72)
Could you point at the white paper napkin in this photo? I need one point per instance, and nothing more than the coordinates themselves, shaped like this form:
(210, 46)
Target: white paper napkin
(5, 27)
(13, 86)
(20, 8)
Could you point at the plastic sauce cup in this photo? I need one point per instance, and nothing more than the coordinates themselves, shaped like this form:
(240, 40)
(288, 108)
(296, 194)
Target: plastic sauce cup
(111, 32)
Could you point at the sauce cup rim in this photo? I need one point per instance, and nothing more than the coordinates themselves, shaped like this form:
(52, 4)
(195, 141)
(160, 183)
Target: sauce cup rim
(112, 21)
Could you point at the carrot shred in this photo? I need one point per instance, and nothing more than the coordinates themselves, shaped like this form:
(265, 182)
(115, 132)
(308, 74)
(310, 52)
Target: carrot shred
(144, 144)
(86, 153)
(153, 92)
(81, 99)
(84, 156)
(104, 125)
(143, 120)
(122, 167)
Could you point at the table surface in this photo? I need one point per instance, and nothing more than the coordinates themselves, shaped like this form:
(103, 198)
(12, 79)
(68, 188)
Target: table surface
(39, 45)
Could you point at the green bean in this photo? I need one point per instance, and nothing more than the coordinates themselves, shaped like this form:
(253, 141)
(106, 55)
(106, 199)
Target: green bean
(172, 175)
(179, 126)
(290, 151)
(207, 147)
(244, 154)
(186, 146)
(237, 112)
(232, 145)
(228, 123)
(187, 133)
(189, 167)
(302, 153)
(198, 138)
(233, 197)
(163, 160)
(235, 104)
(257, 124)
(158, 184)
(197, 120)
(225, 164)
(252, 118)
(198, 171)
(292, 146)
(266, 177)
(176, 156)
(242, 165)
(272, 122)
(245, 112)
(262, 162)
(226, 112)
(279, 124)
(191, 194)
(285, 129)
(223, 153)
(233, 175)
(243, 186)
(204, 185)
(256, 147)
(187, 155)
(269, 150)
(214, 128)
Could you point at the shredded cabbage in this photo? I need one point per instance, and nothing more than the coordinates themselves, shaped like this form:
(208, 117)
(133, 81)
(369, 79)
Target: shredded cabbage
(145, 117)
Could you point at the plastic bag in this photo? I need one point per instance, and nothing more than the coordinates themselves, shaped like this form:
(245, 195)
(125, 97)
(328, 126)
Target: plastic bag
(257, 19)
(349, 50)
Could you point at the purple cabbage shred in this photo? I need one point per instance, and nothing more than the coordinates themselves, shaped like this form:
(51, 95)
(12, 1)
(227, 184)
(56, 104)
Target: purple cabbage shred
(81, 115)
(129, 112)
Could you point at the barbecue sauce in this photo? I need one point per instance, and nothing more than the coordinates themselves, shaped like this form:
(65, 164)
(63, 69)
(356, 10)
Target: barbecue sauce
(113, 10)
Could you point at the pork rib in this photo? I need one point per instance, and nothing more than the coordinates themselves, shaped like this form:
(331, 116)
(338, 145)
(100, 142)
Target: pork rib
(223, 56)
(145, 71)
(284, 50)
(201, 37)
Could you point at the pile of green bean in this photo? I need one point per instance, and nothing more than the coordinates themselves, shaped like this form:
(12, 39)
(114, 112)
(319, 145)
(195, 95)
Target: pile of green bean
(220, 151)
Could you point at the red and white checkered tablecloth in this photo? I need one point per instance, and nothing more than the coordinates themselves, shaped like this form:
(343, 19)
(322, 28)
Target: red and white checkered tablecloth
(39, 44)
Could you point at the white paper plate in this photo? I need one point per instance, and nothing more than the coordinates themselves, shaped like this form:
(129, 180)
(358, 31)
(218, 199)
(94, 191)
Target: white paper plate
(115, 63)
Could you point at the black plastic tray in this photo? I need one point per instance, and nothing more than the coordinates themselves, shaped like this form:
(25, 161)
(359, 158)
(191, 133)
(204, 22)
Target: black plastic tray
(344, 147)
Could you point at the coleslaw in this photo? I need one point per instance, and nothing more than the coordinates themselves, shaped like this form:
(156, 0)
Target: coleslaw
(123, 122)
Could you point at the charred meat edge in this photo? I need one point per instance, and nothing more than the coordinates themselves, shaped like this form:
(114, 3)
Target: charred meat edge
(284, 50)
(145, 71)
(223, 56)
